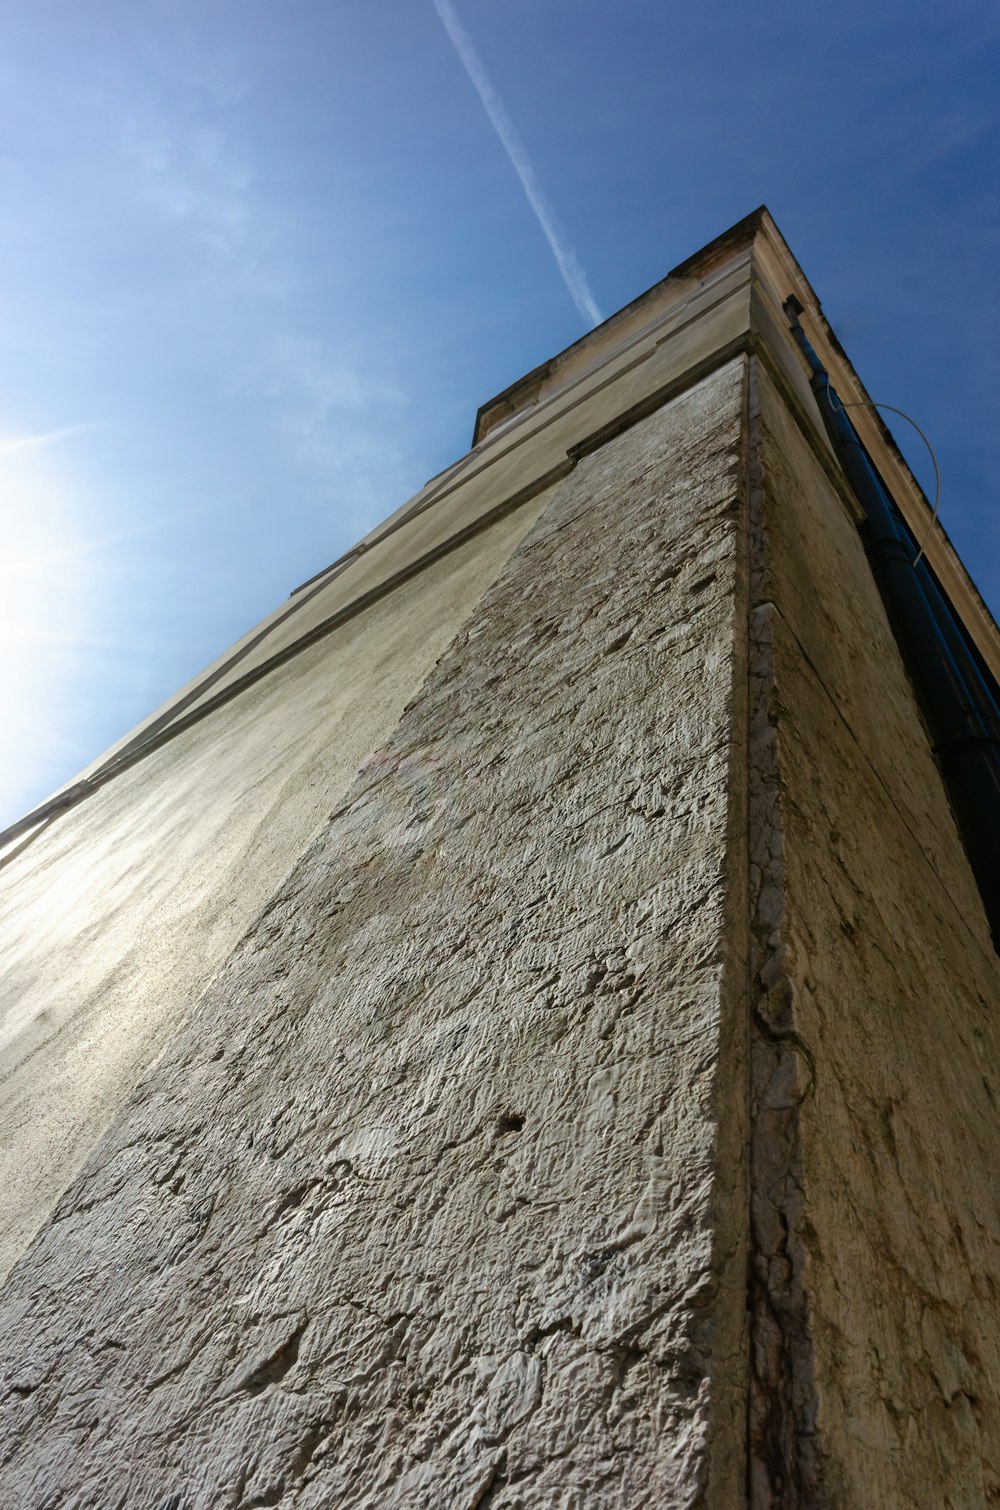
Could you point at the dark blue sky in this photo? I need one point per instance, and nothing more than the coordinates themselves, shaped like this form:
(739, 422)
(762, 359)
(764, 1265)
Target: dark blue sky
(261, 263)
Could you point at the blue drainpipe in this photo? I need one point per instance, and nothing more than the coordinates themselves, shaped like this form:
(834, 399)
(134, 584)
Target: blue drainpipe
(958, 703)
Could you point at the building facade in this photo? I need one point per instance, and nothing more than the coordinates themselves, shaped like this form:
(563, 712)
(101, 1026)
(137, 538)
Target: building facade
(521, 1028)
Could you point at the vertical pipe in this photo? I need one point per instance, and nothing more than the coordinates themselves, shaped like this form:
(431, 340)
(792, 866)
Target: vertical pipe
(951, 692)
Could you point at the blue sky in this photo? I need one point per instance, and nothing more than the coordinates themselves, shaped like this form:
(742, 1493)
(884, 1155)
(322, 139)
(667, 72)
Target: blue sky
(262, 262)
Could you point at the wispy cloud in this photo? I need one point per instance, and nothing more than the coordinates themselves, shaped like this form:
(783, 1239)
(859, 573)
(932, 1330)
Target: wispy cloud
(74, 549)
(35, 442)
(194, 173)
(192, 178)
(326, 409)
(572, 273)
(339, 420)
(197, 177)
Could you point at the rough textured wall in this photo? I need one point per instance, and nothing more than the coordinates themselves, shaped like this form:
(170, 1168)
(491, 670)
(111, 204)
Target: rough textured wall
(116, 916)
(429, 1205)
(877, 1046)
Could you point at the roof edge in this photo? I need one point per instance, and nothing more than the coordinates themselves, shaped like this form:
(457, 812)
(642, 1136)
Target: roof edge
(735, 238)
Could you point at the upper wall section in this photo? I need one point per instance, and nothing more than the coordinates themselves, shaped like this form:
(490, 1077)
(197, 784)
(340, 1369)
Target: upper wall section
(647, 362)
(726, 298)
(776, 274)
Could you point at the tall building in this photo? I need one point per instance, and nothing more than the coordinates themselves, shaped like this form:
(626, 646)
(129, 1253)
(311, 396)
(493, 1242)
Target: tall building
(520, 1029)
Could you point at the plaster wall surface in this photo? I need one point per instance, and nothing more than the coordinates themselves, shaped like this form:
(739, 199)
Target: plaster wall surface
(432, 1201)
(876, 1070)
(114, 919)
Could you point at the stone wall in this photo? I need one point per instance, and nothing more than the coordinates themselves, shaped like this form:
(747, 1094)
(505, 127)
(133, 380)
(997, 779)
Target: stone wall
(876, 1200)
(438, 1199)
(116, 915)
(641, 958)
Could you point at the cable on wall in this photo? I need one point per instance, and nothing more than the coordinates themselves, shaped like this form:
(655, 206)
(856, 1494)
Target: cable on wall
(836, 402)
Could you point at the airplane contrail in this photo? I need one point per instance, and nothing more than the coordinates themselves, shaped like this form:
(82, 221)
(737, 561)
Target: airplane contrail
(572, 273)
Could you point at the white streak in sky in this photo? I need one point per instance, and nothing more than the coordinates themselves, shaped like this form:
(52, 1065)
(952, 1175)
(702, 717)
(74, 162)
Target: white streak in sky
(573, 275)
(33, 442)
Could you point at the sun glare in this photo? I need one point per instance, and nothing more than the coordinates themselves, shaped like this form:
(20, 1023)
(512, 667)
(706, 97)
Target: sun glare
(51, 586)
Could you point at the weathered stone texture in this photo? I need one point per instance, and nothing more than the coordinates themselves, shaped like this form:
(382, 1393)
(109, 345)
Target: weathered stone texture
(876, 1207)
(114, 918)
(427, 1205)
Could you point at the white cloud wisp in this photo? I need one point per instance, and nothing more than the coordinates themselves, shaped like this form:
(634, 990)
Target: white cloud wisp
(33, 442)
(570, 270)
